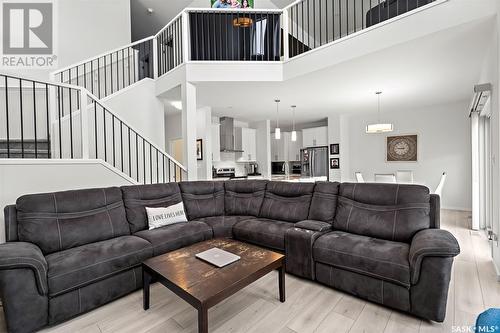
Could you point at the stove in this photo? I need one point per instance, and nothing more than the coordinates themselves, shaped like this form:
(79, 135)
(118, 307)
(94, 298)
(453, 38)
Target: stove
(224, 172)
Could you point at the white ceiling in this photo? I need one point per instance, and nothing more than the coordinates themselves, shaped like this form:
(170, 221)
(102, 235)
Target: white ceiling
(145, 24)
(438, 69)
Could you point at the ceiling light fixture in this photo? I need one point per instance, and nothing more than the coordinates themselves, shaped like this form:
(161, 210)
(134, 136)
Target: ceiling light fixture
(176, 104)
(294, 132)
(242, 22)
(277, 131)
(379, 127)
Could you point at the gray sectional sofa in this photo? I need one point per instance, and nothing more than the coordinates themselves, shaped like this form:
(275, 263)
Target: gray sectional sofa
(70, 252)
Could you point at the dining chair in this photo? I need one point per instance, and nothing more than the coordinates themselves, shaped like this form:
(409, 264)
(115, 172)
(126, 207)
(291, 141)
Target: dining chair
(385, 178)
(359, 177)
(404, 176)
(439, 188)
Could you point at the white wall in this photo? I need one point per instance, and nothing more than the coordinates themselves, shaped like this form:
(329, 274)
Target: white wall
(86, 28)
(490, 74)
(173, 129)
(338, 133)
(19, 177)
(204, 132)
(145, 24)
(263, 147)
(141, 109)
(444, 145)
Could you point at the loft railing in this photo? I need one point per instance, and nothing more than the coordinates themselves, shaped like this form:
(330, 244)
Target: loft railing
(314, 23)
(54, 120)
(111, 71)
(207, 34)
(234, 35)
(168, 44)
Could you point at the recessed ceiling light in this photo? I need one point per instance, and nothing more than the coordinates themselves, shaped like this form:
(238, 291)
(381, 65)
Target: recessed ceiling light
(176, 104)
(150, 10)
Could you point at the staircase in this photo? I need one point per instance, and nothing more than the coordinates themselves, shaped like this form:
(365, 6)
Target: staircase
(46, 120)
(24, 149)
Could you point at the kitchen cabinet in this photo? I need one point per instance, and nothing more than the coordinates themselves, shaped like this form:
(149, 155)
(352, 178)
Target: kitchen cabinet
(215, 131)
(279, 148)
(316, 136)
(245, 138)
(294, 147)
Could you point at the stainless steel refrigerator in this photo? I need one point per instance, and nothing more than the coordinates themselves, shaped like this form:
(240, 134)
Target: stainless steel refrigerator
(314, 162)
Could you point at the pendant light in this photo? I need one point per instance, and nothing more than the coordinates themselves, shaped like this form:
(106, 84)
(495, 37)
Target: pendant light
(294, 132)
(277, 131)
(379, 127)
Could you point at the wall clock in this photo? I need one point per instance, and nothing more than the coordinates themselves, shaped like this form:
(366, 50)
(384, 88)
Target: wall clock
(403, 148)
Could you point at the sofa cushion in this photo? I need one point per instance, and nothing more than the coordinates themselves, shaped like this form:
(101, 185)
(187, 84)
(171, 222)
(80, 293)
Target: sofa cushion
(138, 197)
(244, 197)
(222, 226)
(377, 258)
(203, 198)
(80, 266)
(324, 202)
(175, 236)
(287, 201)
(63, 220)
(388, 211)
(264, 232)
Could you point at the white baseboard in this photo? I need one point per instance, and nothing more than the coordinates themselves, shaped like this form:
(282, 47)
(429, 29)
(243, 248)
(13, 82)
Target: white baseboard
(462, 209)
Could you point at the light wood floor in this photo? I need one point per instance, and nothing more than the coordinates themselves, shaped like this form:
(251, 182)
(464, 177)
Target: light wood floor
(309, 307)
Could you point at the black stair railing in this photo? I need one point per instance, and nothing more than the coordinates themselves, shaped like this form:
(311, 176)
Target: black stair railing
(112, 71)
(169, 46)
(59, 121)
(26, 116)
(112, 140)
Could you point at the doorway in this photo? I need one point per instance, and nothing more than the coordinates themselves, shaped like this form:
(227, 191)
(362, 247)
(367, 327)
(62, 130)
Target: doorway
(176, 147)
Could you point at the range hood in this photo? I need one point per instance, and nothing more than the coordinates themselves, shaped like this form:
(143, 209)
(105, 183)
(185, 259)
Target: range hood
(227, 136)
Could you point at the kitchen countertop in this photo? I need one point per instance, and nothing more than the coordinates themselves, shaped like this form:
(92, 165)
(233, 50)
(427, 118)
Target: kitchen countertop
(298, 178)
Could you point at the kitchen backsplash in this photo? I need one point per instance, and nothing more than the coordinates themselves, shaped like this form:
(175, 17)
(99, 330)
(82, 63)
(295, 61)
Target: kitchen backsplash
(227, 160)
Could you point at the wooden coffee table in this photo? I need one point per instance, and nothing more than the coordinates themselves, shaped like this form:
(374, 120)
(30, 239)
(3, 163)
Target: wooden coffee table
(203, 285)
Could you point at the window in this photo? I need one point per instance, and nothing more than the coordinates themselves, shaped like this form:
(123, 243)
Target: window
(259, 37)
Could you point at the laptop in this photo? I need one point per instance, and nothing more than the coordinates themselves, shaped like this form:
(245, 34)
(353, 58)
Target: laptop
(218, 257)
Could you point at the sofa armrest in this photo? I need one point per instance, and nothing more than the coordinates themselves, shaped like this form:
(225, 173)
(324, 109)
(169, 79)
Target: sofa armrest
(430, 243)
(314, 225)
(14, 255)
(299, 243)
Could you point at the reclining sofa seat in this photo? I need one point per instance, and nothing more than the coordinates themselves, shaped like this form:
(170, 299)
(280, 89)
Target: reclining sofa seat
(385, 247)
(164, 239)
(68, 252)
(283, 205)
(241, 200)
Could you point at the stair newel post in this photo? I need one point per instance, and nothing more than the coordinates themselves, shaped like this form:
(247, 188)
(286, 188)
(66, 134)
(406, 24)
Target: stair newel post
(185, 36)
(155, 57)
(285, 25)
(84, 118)
(53, 117)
